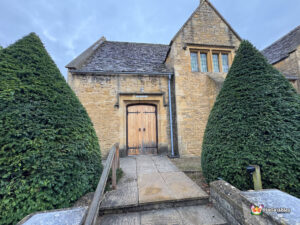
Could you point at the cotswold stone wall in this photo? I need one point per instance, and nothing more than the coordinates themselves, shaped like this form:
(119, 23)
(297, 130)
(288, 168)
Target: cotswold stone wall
(291, 66)
(288, 66)
(235, 205)
(196, 91)
(105, 98)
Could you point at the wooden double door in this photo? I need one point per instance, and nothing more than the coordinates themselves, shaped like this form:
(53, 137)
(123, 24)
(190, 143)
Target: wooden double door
(141, 129)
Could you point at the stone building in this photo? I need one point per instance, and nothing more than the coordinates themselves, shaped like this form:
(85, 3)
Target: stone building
(132, 91)
(284, 55)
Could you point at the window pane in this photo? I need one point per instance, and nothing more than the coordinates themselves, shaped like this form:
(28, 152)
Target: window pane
(225, 63)
(203, 57)
(194, 62)
(216, 63)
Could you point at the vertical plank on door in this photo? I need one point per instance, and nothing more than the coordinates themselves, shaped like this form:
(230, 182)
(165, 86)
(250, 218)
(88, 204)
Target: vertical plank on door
(141, 129)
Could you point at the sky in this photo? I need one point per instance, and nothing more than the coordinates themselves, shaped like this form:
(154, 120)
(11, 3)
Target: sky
(68, 27)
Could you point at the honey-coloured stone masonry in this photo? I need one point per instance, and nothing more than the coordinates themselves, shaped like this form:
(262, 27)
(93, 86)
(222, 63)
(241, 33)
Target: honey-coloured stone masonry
(196, 91)
(105, 98)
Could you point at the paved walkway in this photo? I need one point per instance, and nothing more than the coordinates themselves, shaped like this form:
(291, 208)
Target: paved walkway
(155, 180)
(149, 179)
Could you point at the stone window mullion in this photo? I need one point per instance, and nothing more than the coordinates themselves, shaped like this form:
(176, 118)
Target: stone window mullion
(220, 62)
(209, 61)
(199, 60)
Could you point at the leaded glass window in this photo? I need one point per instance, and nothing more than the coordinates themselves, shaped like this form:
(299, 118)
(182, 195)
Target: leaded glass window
(194, 62)
(216, 63)
(203, 57)
(225, 63)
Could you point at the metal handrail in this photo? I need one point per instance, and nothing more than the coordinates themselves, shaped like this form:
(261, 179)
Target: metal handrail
(112, 161)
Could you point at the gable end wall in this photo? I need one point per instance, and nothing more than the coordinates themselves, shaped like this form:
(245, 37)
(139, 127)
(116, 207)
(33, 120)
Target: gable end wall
(195, 91)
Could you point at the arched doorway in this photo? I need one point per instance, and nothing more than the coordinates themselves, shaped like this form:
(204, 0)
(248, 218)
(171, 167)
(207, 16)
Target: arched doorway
(141, 129)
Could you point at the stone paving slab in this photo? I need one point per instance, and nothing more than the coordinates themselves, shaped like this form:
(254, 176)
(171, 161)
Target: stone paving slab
(191, 215)
(181, 186)
(120, 219)
(125, 196)
(152, 188)
(150, 179)
(126, 193)
(201, 215)
(164, 165)
(128, 166)
(145, 165)
(161, 217)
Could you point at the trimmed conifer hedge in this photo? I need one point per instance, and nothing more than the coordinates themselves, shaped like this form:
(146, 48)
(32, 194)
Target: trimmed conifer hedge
(255, 120)
(49, 152)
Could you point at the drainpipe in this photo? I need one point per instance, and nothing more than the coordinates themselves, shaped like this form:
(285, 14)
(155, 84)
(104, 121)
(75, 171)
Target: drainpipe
(171, 121)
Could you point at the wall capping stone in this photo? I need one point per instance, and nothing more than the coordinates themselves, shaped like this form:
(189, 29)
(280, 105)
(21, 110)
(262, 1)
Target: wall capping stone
(74, 215)
(235, 205)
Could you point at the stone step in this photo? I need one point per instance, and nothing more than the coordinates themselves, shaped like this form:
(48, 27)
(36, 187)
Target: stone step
(153, 205)
(188, 215)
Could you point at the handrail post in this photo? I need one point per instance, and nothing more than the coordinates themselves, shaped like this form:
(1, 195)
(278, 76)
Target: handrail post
(118, 156)
(114, 175)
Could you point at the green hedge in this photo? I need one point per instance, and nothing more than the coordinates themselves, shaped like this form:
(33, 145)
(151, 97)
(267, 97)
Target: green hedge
(49, 152)
(255, 120)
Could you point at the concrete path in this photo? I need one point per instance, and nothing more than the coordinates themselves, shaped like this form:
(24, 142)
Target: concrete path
(151, 179)
(190, 215)
(153, 191)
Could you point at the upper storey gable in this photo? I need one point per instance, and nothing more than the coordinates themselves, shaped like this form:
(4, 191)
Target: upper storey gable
(206, 26)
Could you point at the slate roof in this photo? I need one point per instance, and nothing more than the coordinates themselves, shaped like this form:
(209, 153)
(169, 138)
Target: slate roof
(114, 57)
(281, 48)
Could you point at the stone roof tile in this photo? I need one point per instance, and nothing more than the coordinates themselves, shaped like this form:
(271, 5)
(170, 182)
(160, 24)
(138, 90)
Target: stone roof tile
(117, 57)
(283, 47)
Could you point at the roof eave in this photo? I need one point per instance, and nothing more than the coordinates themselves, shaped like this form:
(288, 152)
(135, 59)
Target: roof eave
(121, 72)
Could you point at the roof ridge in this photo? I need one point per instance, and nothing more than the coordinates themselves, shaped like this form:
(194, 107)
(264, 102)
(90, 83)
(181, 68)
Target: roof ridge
(284, 36)
(143, 43)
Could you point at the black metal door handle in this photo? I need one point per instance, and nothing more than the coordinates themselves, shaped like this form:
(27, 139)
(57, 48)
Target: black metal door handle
(139, 129)
(144, 129)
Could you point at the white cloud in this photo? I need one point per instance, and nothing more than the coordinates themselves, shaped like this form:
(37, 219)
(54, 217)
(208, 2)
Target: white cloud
(49, 36)
(68, 27)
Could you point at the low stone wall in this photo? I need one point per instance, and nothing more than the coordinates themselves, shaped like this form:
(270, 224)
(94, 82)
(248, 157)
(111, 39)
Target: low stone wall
(227, 200)
(235, 205)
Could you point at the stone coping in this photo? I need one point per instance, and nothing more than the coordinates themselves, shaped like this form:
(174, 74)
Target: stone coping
(235, 205)
(74, 216)
(276, 200)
